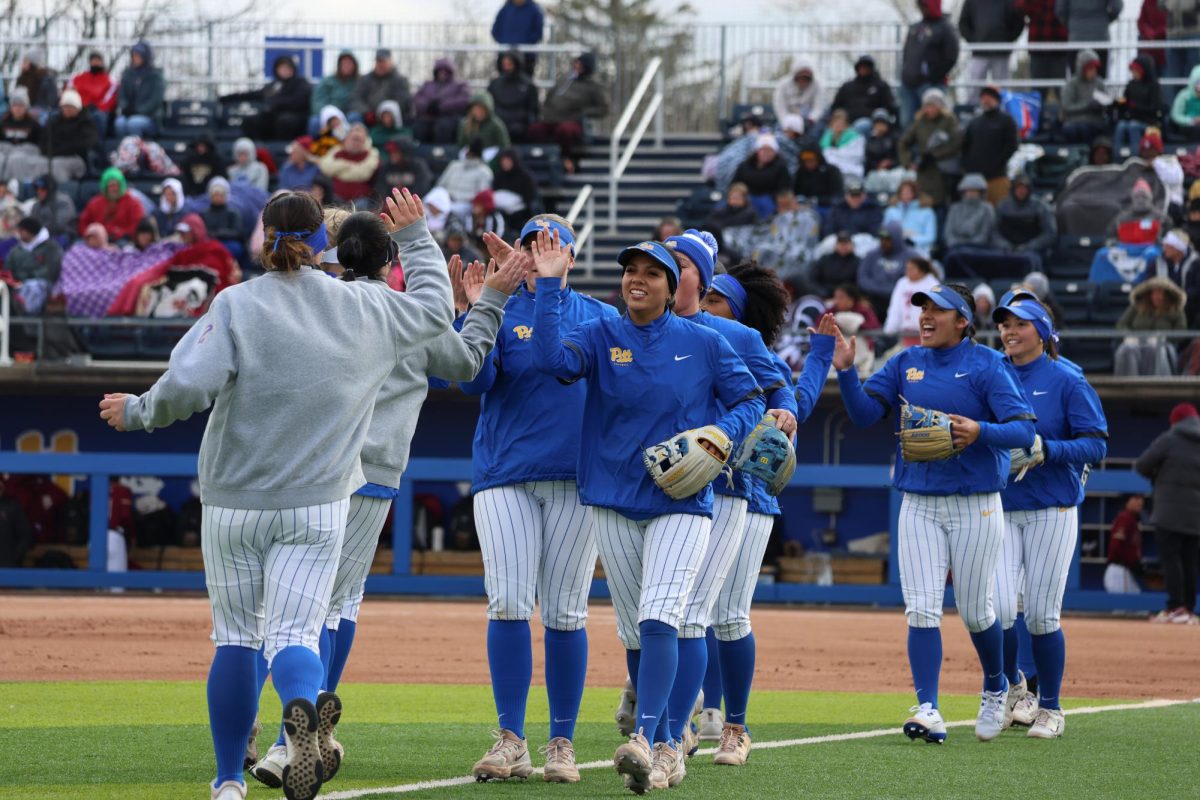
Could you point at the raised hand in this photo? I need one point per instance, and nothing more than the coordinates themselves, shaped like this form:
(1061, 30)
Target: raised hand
(827, 326)
(455, 267)
(843, 350)
(497, 248)
(549, 256)
(112, 410)
(785, 421)
(509, 275)
(473, 282)
(403, 208)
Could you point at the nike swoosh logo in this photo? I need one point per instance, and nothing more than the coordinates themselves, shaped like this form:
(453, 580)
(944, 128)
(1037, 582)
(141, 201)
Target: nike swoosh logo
(568, 719)
(647, 716)
(681, 358)
(1039, 394)
(961, 374)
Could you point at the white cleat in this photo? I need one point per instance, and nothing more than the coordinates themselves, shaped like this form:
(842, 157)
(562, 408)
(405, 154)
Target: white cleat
(634, 760)
(926, 724)
(305, 771)
(1026, 709)
(990, 722)
(229, 790)
(329, 713)
(269, 769)
(712, 722)
(626, 715)
(668, 768)
(1048, 725)
(1015, 695)
(734, 749)
(560, 761)
(508, 758)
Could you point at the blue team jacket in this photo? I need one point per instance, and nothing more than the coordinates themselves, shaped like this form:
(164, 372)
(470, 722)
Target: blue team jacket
(1071, 422)
(529, 423)
(645, 383)
(968, 379)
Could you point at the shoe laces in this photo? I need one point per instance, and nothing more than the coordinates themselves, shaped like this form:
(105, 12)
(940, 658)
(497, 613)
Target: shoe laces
(558, 749)
(504, 745)
(664, 757)
(731, 739)
(993, 703)
(1044, 718)
(923, 708)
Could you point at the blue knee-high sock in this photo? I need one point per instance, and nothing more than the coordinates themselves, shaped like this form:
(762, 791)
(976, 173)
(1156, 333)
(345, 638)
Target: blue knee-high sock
(297, 672)
(232, 706)
(713, 688)
(737, 674)
(689, 678)
(633, 660)
(566, 674)
(343, 641)
(1050, 652)
(989, 645)
(925, 661)
(326, 647)
(510, 658)
(1025, 648)
(660, 656)
(1011, 642)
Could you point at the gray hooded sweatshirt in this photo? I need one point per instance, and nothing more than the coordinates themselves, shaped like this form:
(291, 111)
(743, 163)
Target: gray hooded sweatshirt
(1079, 102)
(291, 403)
(970, 221)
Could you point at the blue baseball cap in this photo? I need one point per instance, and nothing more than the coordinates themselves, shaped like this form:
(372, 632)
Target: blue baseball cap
(946, 298)
(1031, 310)
(658, 252)
(701, 248)
(539, 224)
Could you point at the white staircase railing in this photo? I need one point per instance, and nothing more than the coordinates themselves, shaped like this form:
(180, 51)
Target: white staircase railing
(5, 358)
(585, 203)
(618, 159)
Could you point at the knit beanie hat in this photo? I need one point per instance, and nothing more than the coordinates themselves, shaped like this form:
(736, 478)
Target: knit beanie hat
(1183, 411)
(701, 248)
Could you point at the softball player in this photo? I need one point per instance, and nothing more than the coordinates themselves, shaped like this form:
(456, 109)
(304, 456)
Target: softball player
(951, 517)
(1041, 509)
(536, 536)
(650, 376)
(279, 462)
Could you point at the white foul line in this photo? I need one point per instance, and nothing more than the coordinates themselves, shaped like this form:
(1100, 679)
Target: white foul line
(351, 794)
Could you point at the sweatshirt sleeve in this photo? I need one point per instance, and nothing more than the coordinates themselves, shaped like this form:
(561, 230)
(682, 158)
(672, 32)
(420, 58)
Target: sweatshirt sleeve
(864, 409)
(565, 358)
(201, 365)
(459, 356)
(1089, 429)
(1179, 108)
(738, 392)
(1008, 405)
(813, 376)
(426, 306)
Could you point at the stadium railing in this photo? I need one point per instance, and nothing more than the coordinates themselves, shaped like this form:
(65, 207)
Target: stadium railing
(5, 358)
(618, 157)
(100, 468)
(585, 204)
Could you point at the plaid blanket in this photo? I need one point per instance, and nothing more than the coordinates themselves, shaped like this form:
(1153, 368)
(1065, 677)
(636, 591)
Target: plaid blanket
(91, 279)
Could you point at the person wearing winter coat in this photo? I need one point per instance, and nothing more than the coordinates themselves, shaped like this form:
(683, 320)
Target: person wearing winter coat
(480, 122)
(97, 90)
(735, 212)
(246, 167)
(171, 201)
(1155, 304)
(40, 82)
(1172, 463)
(516, 189)
(298, 171)
(286, 100)
(389, 125)
(855, 213)
(140, 96)
(1166, 167)
(864, 94)
(439, 104)
(1140, 222)
(932, 146)
(882, 267)
(56, 211)
(1140, 107)
(800, 93)
(1152, 27)
(514, 96)
(69, 138)
(1180, 264)
(223, 221)
(201, 163)
(352, 166)
(465, 178)
(1183, 23)
(989, 142)
(335, 90)
(403, 169)
(1185, 110)
(843, 146)
(383, 82)
(1088, 21)
(1024, 223)
(574, 99)
(1082, 109)
(765, 174)
(930, 53)
(972, 220)
(35, 263)
(816, 178)
(1045, 28)
(990, 22)
(903, 318)
(520, 22)
(18, 126)
(880, 151)
(836, 268)
(114, 208)
(918, 219)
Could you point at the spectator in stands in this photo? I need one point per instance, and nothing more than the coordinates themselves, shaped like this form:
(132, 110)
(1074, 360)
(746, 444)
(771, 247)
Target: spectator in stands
(285, 101)
(1088, 21)
(10, 209)
(994, 23)
(299, 170)
(930, 53)
(932, 145)
(114, 208)
(1141, 106)
(439, 104)
(903, 318)
(1166, 167)
(985, 302)
(573, 100)
(55, 210)
(516, 189)
(816, 178)
(171, 201)
(322, 190)
(35, 264)
(843, 146)
(734, 212)
(881, 152)
(838, 267)
(1082, 109)
(1185, 110)
(846, 297)
(1024, 223)
(456, 243)
(667, 227)
(144, 235)
(864, 94)
(800, 93)
(223, 221)
(971, 221)
(481, 122)
(514, 96)
(1183, 23)
(1045, 28)
(351, 166)
(1124, 551)
(69, 138)
(1155, 304)
(765, 174)
(794, 233)
(912, 211)
(1192, 219)
(1180, 263)
(484, 216)
(18, 126)
(1039, 284)
(335, 90)
(1152, 27)
(389, 125)
(883, 266)
(791, 139)
(856, 212)
(1140, 223)
(201, 163)
(1100, 154)
(520, 22)
(333, 130)
(40, 82)
(384, 82)
(403, 169)
(246, 167)
(989, 142)
(97, 90)
(96, 237)
(465, 178)
(140, 96)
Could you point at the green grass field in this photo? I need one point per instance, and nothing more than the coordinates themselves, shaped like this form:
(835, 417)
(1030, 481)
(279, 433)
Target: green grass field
(149, 741)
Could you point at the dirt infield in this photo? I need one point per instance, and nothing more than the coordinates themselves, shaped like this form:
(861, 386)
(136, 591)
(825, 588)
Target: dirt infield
(47, 638)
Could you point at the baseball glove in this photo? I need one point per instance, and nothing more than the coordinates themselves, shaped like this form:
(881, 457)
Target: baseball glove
(681, 466)
(767, 454)
(1026, 458)
(924, 434)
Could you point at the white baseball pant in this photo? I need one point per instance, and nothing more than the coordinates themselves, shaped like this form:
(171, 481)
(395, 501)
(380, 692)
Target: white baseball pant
(731, 617)
(1038, 547)
(724, 543)
(364, 523)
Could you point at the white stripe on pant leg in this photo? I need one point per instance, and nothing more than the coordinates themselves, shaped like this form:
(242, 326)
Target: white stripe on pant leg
(1049, 547)
(731, 618)
(924, 557)
(300, 566)
(674, 548)
(568, 558)
(364, 523)
(509, 522)
(1008, 571)
(976, 536)
(724, 542)
(620, 542)
(232, 542)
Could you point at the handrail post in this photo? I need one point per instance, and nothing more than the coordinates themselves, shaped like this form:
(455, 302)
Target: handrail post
(659, 89)
(612, 183)
(5, 358)
(722, 100)
(589, 261)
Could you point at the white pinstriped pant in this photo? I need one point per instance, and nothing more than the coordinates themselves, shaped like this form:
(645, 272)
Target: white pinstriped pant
(270, 573)
(1038, 547)
(538, 543)
(724, 542)
(731, 617)
(364, 523)
(963, 533)
(650, 566)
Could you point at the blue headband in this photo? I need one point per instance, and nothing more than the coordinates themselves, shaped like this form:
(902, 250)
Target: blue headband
(535, 226)
(947, 299)
(734, 293)
(316, 240)
(1034, 312)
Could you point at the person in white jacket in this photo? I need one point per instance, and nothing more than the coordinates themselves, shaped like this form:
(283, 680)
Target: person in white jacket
(903, 318)
(799, 92)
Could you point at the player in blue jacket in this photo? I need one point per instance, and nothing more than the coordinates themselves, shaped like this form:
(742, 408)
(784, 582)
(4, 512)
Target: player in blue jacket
(1041, 508)
(537, 538)
(650, 375)
(951, 518)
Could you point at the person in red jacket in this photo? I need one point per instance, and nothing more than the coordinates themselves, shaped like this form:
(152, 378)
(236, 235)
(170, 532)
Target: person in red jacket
(114, 208)
(1125, 548)
(97, 90)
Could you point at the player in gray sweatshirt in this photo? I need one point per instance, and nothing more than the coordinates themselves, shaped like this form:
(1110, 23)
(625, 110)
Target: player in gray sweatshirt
(280, 459)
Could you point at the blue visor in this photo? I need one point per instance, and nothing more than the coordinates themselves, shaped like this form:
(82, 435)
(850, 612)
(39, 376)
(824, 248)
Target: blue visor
(1032, 311)
(537, 225)
(657, 252)
(947, 299)
(1014, 293)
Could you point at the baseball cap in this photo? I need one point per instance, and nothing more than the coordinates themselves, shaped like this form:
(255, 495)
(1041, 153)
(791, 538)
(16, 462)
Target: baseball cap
(947, 299)
(382, 53)
(844, 236)
(854, 186)
(1029, 309)
(538, 224)
(659, 253)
